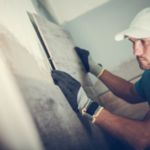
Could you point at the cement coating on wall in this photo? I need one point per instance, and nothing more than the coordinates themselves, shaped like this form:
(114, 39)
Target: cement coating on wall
(15, 20)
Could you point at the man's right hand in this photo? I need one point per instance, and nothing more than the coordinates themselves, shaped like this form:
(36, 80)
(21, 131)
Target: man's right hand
(75, 94)
(88, 62)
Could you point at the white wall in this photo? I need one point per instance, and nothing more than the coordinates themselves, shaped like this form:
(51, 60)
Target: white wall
(20, 53)
(67, 10)
(14, 19)
(17, 129)
(18, 35)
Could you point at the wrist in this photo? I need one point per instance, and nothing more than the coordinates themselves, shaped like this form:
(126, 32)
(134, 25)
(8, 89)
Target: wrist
(97, 70)
(92, 112)
(95, 116)
(102, 71)
(87, 107)
(91, 108)
(94, 68)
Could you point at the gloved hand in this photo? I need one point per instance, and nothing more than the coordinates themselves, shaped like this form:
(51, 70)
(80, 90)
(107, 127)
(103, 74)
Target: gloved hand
(75, 94)
(88, 62)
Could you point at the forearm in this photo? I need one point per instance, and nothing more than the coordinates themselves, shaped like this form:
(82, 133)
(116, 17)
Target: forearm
(118, 86)
(127, 130)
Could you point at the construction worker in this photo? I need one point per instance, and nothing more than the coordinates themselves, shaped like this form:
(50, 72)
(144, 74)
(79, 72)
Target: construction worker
(133, 132)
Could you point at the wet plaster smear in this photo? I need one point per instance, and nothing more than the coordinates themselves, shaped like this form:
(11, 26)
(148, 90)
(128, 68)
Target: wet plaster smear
(15, 20)
(20, 60)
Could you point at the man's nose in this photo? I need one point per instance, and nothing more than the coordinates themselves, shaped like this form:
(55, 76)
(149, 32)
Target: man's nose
(137, 49)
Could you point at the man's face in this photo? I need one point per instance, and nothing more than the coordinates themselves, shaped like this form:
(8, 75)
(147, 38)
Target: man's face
(141, 48)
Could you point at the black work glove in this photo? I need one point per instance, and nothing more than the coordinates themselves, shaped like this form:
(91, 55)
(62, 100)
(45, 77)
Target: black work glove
(88, 62)
(74, 93)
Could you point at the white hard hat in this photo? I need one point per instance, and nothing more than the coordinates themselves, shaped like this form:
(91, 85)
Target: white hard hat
(139, 28)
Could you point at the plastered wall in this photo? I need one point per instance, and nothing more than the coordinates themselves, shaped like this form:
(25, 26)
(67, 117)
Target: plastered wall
(20, 53)
(27, 63)
(26, 57)
(16, 27)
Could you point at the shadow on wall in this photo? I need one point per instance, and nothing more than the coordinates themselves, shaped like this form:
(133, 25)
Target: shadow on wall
(41, 11)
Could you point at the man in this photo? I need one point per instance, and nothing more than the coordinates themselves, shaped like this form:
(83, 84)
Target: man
(135, 133)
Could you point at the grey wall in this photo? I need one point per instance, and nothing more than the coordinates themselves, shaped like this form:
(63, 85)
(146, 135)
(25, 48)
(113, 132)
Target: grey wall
(95, 32)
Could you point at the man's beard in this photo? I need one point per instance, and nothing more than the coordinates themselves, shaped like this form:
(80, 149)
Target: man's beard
(142, 65)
